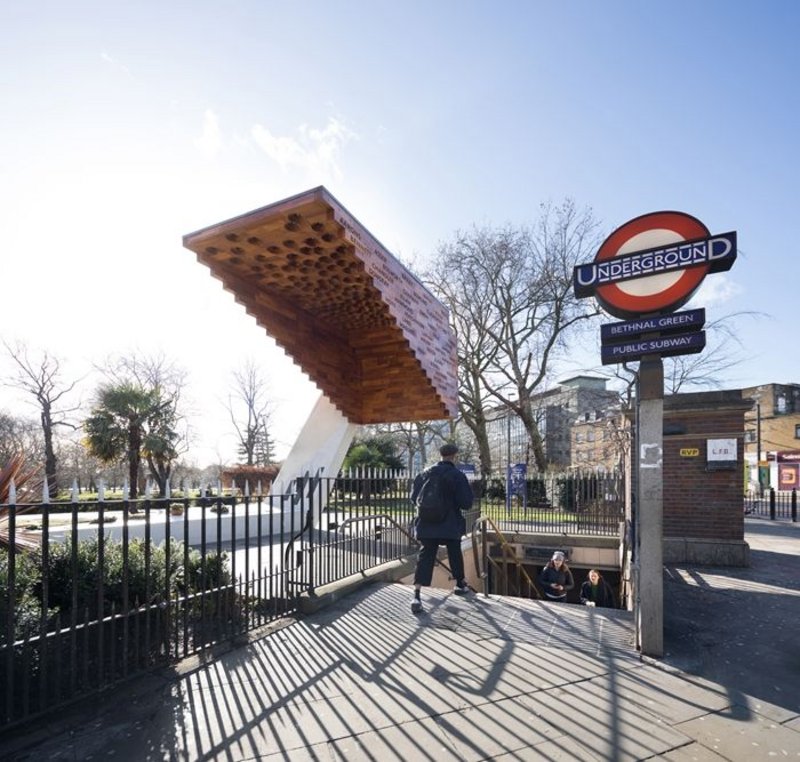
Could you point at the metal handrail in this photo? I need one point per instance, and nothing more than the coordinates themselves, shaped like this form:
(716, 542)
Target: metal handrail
(508, 554)
(408, 534)
(303, 482)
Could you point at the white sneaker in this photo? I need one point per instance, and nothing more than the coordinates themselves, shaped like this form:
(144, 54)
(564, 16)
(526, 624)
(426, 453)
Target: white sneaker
(416, 606)
(461, 588)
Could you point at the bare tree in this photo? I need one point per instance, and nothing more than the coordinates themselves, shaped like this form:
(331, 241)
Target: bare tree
(706, 370)
(461, 281)
(250, 411)
(188, 474)
(413, 439)
(39, 375)
(20, 435)
(79, 467)
(511, 297)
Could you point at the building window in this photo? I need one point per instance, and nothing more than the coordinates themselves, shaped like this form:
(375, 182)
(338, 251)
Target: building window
(579, 437)
(749, 437)
(590, 436)
(797, 431)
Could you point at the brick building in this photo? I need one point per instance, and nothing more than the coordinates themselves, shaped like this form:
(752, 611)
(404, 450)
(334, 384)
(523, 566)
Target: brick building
(773, 427)
(601, 443)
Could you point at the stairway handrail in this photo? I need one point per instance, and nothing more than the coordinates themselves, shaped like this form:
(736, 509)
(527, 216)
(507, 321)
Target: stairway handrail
(508, 553)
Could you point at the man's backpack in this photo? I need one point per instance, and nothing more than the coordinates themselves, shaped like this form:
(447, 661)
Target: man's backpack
(431, 501)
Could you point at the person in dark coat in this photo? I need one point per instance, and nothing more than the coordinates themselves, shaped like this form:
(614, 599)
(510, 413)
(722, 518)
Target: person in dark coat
(597, 592)
(556, 578)
(457, 494)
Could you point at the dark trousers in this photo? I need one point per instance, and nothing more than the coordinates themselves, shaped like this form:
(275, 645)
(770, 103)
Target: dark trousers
(427, 558)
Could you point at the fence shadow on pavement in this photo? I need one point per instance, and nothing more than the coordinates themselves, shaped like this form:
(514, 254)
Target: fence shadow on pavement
(737, 626)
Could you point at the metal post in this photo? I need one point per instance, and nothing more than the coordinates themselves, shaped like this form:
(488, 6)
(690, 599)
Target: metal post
(772, 503)
(758, 450)
(794, 505)
(508, 462)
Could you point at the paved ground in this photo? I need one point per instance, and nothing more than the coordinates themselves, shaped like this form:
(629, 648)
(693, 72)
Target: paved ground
(741, 627)
(476, 679)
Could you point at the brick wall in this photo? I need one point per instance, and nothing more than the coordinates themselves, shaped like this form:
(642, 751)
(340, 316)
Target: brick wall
(700, 502)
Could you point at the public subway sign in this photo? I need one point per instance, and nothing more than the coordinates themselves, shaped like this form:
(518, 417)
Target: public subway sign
(653, 264)
(666, 346)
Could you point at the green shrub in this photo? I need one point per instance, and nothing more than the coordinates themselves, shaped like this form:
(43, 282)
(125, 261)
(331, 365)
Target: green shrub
(149, 579)
(496, 490)
(27, 607)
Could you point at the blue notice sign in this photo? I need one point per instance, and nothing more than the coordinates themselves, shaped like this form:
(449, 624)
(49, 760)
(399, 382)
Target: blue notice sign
(468, 469)
(516, 479)
(515, 486)
(666, 346)
(690, 320)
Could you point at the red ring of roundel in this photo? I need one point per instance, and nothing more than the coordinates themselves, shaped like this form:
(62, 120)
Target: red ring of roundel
(678, 293)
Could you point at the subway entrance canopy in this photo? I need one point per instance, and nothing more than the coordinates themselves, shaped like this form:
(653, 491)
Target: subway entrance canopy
(365, 330)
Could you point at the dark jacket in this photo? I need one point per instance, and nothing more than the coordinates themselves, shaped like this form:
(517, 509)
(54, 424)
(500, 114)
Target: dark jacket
(457, 493)
(602, 596)
(551, 576)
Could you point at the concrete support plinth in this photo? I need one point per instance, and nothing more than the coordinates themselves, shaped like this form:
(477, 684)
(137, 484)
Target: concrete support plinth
(320, 448)
(650, 505)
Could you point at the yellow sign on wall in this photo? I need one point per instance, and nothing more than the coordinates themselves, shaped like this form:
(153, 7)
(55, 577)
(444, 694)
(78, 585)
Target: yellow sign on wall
(689, 452)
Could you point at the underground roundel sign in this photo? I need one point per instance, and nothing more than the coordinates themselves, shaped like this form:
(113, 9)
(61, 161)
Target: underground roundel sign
(653, 264)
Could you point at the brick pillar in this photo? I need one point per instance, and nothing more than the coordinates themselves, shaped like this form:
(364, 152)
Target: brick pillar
(703, 505)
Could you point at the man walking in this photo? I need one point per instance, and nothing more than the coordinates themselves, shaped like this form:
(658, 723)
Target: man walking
(443, 524)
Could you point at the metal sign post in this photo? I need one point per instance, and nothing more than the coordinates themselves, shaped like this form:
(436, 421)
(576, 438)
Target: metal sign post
(643, 272)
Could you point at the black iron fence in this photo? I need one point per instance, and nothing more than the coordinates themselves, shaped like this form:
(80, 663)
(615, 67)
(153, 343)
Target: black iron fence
(771, 504)
(91, 593)
(94, 592)
(574, 503)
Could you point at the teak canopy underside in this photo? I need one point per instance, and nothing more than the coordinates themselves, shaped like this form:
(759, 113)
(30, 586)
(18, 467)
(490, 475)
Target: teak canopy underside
(363, 328)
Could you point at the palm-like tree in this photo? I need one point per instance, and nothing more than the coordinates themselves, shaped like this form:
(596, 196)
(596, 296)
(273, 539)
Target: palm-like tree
(132, 422)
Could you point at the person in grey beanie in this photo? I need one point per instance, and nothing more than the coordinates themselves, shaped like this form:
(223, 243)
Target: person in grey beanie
(556, 578)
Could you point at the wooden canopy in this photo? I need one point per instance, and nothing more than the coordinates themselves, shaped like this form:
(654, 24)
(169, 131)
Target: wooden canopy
(363, 327)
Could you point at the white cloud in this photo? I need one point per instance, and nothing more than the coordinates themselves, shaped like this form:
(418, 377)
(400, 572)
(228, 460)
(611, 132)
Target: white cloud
(716, 289)
(314, 150)
(210, 142)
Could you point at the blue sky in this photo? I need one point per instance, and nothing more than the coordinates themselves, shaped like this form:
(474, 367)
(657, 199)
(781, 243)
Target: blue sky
(125, 126)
